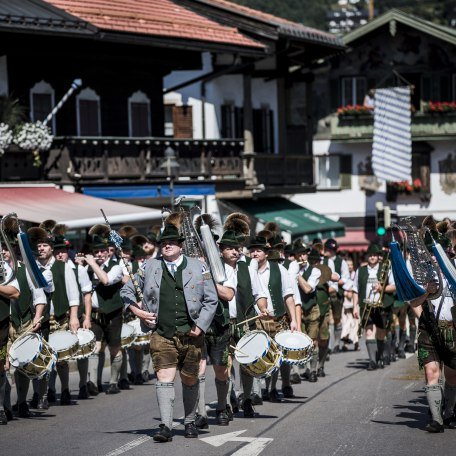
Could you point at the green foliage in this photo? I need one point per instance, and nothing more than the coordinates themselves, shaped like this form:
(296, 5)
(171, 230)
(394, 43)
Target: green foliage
(313, 12)
(11, 112)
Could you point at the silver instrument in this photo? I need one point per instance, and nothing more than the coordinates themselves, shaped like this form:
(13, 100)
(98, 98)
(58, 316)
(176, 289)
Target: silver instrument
(3, 271)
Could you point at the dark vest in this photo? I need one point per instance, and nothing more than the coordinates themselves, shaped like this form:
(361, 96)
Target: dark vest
(275, 289)
(59, 296)
(109, 296)
(173, 314)
(308, 299)
(244, 298)
(21, 309)
(4, 308)
(363, 275)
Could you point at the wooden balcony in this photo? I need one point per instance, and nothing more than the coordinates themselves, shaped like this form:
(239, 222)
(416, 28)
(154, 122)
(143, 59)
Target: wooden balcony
(103, 160)
(425, 126)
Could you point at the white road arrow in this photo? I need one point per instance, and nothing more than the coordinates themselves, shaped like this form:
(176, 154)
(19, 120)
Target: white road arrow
(255, 444)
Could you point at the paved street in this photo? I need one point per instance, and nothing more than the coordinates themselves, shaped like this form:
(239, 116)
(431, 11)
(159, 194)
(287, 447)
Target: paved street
(349, 412)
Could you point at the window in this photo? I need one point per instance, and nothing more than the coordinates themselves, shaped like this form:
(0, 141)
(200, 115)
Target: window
(42, 102)
(169, 126)
(436, 87)
(263, 130)
(232, 121)
(333, 171)
(88, 113)
(139, 114)
(354, 90)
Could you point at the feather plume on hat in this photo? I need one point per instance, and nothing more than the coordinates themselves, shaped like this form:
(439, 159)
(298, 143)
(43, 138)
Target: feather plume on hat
(273, 227)
(175, 219)
(99, 229)
(237, 224)
(48, 225)
(60, 229)
(208, 220)
(139, 239)
(268, 235)
(238, 215)
(37, 235)
(11, 225)
(443, 226)
(127, 231)
(155, 229)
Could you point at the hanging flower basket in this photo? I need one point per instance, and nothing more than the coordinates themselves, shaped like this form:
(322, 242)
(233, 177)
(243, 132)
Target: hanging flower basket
(6, 137)
(354, 110)
(439, 107)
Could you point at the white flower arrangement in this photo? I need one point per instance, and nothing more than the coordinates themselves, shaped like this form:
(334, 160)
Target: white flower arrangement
(6, 137)
(33, 136)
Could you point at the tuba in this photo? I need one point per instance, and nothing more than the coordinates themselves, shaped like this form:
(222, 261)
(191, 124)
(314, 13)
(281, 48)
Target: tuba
(8, 223)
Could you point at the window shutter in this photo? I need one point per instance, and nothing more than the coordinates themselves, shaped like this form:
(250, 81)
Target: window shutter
(345, 171)
(239, 122)
(88, 118)
(183, 122)
(140, 119)
(42, 106)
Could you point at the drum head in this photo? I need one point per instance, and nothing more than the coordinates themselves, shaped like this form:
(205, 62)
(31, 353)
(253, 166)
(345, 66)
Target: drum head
(137, 327)
(295, 340)
(25, 349)
(62, 340)
(127, 330)
(85, 336)
(251, 347)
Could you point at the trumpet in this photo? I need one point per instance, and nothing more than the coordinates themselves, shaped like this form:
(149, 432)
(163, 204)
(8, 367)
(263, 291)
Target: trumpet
(370, 302)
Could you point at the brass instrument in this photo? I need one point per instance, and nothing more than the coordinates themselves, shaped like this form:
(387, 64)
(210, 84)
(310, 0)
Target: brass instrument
(3, 272)
(371, 303)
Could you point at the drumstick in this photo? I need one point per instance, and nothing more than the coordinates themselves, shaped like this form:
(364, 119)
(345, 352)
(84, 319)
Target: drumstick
(250, 319)
(237, 349)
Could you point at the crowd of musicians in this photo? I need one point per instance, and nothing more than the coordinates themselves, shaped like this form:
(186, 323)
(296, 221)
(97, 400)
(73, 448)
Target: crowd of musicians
(195, 321)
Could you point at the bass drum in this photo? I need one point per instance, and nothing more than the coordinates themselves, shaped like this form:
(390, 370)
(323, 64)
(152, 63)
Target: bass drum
(258, 354)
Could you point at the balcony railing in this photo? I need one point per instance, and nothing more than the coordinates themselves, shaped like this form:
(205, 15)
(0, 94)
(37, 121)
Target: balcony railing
(85, 160)
(425, 126)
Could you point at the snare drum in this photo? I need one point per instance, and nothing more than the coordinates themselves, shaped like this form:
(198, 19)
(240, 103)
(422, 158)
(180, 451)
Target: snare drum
(141, 337)
(32, 355)
(258, 354)
(87, 343)
(127, 336)
(296, 347)
(64, 343)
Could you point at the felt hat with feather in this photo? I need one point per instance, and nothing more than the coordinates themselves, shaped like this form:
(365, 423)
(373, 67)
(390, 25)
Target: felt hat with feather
(171, 231)
(60, 240)
(208, 220)
(239, 223)
(99, 234)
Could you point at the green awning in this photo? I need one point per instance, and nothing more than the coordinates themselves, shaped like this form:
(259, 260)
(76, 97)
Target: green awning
(297, 220)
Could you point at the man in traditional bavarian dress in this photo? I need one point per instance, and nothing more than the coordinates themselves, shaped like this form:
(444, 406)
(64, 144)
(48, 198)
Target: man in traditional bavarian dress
(63, 297)
(107, 306)
(26, 313)
(281, 308)
(61, 248)
(7, 292)
(180, 301)
(337, 298)
(367, 289)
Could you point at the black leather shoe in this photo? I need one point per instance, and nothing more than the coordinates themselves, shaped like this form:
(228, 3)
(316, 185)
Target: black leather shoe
(380, 364)
(65, 397)
(256, 399)
(372, 366)
(229, 412)
(295, 379)
(146, 376)
(83, 392)
(3, 419)
(274, 396)
(313, 377)
(201, 422)
(139, 380)
(222, 418)
(449, 423)
(164, 434)
(190, 431)
(43, 404)
(23, 410)
(249, 412)
(9, 414)
(265, 396)
(123, 384)
(305, 375)
(51, 397)
(100, 387)
(321, 372)
(34, 401)
(434, 427)
(113, 389)
(287, 392)
(92, 389)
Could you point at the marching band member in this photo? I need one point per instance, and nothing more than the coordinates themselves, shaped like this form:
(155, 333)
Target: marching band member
(181, 300)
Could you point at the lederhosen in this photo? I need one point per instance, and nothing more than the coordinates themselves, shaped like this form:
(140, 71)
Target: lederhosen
(108, 316)
(280, 321)
(379, 316)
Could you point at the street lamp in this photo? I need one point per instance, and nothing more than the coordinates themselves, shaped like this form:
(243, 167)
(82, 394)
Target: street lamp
(172, 167)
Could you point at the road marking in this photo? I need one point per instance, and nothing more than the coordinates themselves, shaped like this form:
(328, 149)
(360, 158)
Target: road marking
(372, 415)
(137, 442)
(409, 385)
(255, 444)
(129, 446)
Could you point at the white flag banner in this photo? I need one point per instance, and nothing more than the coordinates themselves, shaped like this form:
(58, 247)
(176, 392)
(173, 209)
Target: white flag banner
(392, 142)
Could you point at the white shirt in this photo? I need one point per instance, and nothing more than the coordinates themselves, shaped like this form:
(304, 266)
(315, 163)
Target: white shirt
(332, 266)
(71, 284)
(115, 275)
(314, 277)
(83, 278)
(287, 287)
(177, 263)
(38, 294)
(448, 302)
(371, 281)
